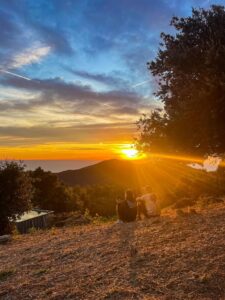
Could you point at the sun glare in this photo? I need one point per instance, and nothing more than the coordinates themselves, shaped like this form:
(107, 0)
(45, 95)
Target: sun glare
(131, 153)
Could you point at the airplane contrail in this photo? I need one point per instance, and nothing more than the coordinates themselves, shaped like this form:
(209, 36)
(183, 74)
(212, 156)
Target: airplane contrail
(140, 83)
(14, 74)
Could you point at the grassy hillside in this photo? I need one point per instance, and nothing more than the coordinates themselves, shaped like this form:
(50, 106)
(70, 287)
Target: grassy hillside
(175, 257)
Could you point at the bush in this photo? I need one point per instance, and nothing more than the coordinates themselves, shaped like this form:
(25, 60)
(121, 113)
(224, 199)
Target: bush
(15, 193)
(51, 194)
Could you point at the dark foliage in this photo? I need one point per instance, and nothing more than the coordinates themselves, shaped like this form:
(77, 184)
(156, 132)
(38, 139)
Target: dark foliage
(101, 199)
(50, 193)
(15, 193)
(190, 69)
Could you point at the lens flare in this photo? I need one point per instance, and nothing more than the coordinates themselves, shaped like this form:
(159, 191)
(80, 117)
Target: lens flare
(130, 153)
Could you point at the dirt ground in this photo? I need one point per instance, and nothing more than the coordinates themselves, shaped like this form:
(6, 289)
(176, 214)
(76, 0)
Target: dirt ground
(173, 257)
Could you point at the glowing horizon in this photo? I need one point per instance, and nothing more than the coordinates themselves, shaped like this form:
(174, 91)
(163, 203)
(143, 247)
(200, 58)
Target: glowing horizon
(102, 151)
(72, 86)
(69, 151)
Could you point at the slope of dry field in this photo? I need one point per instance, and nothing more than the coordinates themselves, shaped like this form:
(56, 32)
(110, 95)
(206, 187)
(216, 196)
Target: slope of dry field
(174, 257)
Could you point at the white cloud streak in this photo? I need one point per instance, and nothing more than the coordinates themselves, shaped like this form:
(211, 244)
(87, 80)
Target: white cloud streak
(140, 83)
(30, 55)
(14, 74)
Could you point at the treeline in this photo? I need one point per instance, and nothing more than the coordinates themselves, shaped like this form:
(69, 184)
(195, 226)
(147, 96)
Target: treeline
(51, 194)
(21, 190)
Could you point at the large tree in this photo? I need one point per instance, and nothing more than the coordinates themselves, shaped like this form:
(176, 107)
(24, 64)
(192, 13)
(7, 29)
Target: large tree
(190, 69)
(15, 193)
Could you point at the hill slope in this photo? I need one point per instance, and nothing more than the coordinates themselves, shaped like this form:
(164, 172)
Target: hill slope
(106, 172)
(168, 258)
(125, 173)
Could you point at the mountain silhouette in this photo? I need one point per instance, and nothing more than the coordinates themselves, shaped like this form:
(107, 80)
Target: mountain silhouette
(119, 172)
(124, 173)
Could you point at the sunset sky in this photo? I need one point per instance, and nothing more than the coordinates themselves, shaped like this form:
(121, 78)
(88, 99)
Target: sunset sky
(73, 74)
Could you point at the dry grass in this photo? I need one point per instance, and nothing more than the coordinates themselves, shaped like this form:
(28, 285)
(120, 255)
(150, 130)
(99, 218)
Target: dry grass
(175, 257)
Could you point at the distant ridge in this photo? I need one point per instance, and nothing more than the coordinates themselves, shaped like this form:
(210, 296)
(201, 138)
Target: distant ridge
(119, 172)
(124, 173)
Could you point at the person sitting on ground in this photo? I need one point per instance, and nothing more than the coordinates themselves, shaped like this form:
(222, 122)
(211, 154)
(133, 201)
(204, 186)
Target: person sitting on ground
(127, 208)
(147, 204)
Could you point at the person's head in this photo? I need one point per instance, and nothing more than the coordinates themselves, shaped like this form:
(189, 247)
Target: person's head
(129, 195)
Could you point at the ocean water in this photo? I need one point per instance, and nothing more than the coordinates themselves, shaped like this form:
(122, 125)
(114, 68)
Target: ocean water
(58, 165)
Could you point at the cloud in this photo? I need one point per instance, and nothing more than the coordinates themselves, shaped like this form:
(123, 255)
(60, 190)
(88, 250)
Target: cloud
(28, 56)
(13, 36)
(93, 133)
(55, 37)
(60, 110)
(21, 27)
(25, 57)
(57, 89)
(107, 79)
(18, 46)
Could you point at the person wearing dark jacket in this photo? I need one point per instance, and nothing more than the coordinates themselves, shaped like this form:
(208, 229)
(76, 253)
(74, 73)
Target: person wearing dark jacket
(127, 208)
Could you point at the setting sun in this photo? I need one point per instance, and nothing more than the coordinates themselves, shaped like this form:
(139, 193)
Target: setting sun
(131, 153)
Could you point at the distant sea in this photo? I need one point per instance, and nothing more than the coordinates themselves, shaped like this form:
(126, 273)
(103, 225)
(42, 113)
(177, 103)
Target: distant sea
(58, 165)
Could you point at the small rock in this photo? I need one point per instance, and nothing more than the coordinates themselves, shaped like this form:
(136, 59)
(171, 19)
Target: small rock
(5, 238)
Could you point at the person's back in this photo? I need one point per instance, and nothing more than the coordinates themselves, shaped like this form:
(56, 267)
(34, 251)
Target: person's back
(127, 209)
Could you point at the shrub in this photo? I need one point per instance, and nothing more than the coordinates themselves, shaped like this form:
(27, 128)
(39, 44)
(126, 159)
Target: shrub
(15, 193)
